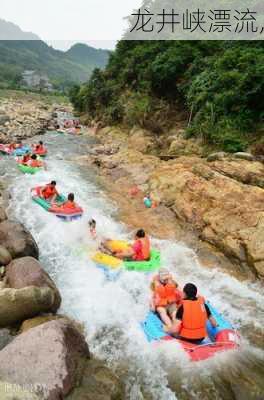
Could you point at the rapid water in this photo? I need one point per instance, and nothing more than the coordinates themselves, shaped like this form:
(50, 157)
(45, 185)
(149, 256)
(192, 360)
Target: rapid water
(111, 311)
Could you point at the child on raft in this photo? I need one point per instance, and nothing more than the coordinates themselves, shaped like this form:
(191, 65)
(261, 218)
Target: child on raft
(166, 297)
(69, 203)
(49, 192)
(138, 251)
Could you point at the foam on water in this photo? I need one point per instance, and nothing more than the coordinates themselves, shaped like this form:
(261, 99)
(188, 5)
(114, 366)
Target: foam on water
(112, 310)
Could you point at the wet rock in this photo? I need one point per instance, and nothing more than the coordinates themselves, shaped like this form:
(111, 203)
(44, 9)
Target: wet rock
(216, 156)
(27, 271)
(17, 305)
(244, 156)
(98, 383)
(5, 256)
(52, 355)
(33, 322)
(17, 240)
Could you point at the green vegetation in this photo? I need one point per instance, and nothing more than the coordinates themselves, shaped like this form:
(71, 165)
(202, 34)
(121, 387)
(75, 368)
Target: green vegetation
(219, 85)
(63, 68)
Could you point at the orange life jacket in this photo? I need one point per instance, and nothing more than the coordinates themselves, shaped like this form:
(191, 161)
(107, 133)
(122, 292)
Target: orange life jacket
(166, 294)
(69, 204)
(194, 319)
(49, 191)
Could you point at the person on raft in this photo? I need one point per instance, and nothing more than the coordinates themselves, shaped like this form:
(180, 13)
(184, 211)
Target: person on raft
(69, 203)
(138, 251)
(191, 317)
(26, 158)
(34, 162)
(49, 192)
(166, 297)
(39, 147)
(92, 228)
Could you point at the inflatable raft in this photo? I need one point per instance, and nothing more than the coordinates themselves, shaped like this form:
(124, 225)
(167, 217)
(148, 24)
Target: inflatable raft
(21, 151)
(5, 149)
(220, 339)
(40, 153)
(111, 263)
(26, 169)
(61, 212)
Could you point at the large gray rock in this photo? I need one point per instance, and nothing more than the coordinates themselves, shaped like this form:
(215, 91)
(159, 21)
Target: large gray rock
(52, 355)
(220, 155)
(244, 156)
(19, 304)
(5, 256)
(17, 240)
(27, 271)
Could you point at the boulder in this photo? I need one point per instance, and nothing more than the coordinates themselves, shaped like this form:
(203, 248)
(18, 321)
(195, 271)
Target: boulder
(98, 383)
(5, 256)
(27, 271)
(51, 356)
(17, 305)
(17, 240)
(216, 156)
(244, 156)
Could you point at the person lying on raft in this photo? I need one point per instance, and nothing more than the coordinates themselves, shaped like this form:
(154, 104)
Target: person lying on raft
(191, 317)
(49, 192)
(166, 297)
(34, 162)
(138, 251)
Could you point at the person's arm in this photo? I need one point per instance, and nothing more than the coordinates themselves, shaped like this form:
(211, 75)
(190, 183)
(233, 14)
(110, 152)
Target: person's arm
(210, 317)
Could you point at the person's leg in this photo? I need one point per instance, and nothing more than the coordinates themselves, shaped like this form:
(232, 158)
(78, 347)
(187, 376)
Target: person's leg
(172, 311)
(127, 254)
(164, 316)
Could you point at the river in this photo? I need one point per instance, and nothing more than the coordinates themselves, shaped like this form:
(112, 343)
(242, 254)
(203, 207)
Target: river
(111, 311)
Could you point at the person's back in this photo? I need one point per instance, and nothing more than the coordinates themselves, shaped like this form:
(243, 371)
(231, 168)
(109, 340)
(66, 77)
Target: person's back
(192, 316)
(141, 246)
(70, 203)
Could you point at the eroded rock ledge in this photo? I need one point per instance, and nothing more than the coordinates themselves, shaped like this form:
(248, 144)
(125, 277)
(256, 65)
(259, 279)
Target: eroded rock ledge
(218, 200)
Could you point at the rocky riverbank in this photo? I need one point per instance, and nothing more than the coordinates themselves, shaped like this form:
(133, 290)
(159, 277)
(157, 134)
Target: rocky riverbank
(213, 204)
(43, 355)
(24, 115)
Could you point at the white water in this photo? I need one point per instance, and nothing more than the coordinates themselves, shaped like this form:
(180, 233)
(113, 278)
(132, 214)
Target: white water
(112, 311)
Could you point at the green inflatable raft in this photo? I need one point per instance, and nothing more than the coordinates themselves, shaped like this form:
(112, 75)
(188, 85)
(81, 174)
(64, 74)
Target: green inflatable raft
(46, 204)
(144, 266)
(26, 169)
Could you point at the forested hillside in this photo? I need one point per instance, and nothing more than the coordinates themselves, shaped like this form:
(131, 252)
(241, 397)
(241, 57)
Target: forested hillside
(31, 53)
(219, 86)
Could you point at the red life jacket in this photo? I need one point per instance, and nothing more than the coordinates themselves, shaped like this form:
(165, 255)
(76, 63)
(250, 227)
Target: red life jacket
(49, 191)
(35, 163)
(69, 204)
(194, 319)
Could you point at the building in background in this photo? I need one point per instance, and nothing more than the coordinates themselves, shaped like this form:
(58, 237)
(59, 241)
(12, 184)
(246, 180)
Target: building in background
(37, 81)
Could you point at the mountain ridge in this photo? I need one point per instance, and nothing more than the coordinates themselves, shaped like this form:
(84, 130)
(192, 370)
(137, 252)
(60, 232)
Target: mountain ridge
(63, 68)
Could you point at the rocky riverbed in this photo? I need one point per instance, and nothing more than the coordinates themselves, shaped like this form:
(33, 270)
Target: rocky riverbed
(213, 204)
(43, 355)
